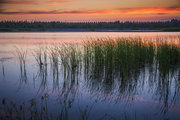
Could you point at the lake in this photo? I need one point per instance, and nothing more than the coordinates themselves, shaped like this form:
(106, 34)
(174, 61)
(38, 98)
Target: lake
(36, 82)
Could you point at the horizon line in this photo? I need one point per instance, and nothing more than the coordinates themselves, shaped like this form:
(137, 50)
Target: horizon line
(66, 21)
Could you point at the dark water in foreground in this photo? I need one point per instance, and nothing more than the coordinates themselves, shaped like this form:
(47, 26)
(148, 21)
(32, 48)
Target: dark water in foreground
(43, 92)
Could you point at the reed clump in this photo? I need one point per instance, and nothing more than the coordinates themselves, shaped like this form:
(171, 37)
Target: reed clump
(124, 56)
(70, 59)
(109, 58)
(168, 57)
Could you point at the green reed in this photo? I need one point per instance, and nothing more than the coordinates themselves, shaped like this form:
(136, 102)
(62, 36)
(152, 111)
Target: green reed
(168, 57)
(124, 59)
(109, 57)
(71, 58)
(104, 60)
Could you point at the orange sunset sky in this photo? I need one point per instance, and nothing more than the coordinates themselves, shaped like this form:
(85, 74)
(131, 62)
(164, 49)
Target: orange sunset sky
(89, 10)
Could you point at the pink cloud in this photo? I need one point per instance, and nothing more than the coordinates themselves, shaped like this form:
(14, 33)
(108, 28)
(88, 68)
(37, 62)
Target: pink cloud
(54, 2)
(158, 11)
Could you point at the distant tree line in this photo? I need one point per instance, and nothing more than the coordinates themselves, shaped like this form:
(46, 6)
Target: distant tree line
(54, 25)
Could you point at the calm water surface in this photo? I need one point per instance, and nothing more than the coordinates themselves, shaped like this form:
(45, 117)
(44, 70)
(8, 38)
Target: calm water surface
(142, 96)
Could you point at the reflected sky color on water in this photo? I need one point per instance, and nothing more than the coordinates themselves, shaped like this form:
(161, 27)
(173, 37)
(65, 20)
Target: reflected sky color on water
(148, 92)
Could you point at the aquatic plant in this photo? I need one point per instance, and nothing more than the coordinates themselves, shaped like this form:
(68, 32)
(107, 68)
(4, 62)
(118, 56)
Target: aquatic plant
(109, 62)
(109, 57)
(125, 59)
(55, 62)
(41, 55)
(22, 56)
(41, 58)
(71, 58)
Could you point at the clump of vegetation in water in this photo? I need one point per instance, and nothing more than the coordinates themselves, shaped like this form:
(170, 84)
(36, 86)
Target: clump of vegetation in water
(121, 56)
(168, 57)
(124, 59)
(71, 58)
(103, 61)
(108, 58)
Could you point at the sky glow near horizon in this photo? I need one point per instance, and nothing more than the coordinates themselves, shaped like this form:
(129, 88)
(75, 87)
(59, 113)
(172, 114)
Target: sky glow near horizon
(89, 10)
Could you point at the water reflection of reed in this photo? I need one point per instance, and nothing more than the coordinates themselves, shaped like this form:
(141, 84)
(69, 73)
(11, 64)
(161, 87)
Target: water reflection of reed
(126, 61)
(22, 55)
(3, 71)
(40, 56)
(117, 61)
(3, 60)
(67, 93)
(67, 90)
(70, 57)
(167, 96)
(122, 67)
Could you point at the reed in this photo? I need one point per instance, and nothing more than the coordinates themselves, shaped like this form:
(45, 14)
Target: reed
(71, 59)
(106, 60)
(22, 57)
(109, 57)
(103, 61)
(41, 56)
(168, 57)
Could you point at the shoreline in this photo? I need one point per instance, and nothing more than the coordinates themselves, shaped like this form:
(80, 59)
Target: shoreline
(93, 31)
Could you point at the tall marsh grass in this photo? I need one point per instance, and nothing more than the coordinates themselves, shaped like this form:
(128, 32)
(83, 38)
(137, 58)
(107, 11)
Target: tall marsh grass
(103, 61)
(124, 59)
(126, 55)
(108, 58)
